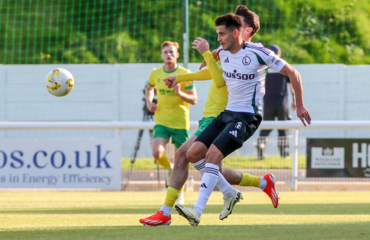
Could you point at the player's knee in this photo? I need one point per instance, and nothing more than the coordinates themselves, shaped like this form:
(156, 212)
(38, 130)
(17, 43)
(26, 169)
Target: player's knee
(157, 154)
(214, 157)
(191, 155)
(180, 156)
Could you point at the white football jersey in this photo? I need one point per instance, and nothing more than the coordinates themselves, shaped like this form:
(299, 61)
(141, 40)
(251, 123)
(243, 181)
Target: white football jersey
(245, 73)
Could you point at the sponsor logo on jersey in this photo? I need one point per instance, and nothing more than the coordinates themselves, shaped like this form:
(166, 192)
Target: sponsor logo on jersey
(237, 75)
(246, 60)
(167, 92)
(277, 62)
(238, 125)
(226, 60)
(234, 133)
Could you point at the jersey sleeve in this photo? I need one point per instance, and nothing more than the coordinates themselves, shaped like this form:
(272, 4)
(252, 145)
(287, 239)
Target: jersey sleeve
(188, 85)
(195, 76)
(215, 71)
(152, 79)
(271, 60)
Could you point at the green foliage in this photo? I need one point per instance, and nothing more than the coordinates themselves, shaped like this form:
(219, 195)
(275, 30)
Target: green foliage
(116, 31)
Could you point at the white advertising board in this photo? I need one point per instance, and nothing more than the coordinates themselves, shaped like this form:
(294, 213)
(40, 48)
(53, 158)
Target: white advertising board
(60, 163)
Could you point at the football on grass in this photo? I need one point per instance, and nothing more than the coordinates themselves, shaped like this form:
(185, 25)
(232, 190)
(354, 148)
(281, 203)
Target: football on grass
(59, 82)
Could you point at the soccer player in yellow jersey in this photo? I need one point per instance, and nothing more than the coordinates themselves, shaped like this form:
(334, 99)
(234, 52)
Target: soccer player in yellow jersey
(171, 113)
(215, 104)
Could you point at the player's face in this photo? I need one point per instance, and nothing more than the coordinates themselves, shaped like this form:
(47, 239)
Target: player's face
(169, 54)
(225, 37)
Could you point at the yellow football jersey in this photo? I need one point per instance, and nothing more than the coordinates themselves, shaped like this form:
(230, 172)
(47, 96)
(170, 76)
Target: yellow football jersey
(216, 101)
(172, 111)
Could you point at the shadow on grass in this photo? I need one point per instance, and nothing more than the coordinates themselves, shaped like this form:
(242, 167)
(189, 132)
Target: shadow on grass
(293, 209)
(290, 231)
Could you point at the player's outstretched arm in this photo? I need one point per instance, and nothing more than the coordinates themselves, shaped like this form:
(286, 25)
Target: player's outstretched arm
(296, 81)
(201, 75)
(202, 46)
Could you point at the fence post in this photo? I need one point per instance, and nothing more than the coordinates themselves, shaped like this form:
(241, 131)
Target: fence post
(294, 151)
(185, 31)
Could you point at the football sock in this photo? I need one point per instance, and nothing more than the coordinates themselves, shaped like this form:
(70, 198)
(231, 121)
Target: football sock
(182, 189)
(200, 165)
(171, 196)
(222, 184)
(263, 183)
(250, 180)
(164, 162)
(207, 185)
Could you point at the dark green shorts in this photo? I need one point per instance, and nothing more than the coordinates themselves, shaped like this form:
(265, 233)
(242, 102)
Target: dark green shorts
(203, 123)
(179, 136)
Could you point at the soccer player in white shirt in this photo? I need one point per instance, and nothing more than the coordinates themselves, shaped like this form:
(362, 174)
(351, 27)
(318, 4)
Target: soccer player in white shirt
(244, 66)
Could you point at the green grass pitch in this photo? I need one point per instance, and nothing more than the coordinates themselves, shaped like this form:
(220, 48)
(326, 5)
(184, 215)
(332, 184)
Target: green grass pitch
(115, 215)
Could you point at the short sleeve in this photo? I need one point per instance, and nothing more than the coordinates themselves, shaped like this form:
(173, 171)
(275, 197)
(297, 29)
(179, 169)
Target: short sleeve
(274, 61)
(152, 79)
(189, 85)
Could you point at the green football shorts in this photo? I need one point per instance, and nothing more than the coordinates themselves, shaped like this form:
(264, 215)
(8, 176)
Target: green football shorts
(179, 136)
(203, 123)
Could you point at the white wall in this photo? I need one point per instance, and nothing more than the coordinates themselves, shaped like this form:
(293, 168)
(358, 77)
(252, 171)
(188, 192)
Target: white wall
(114, 92)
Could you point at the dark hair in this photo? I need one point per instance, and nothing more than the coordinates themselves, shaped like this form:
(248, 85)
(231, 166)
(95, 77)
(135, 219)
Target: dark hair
(230, 20)
(250, 18)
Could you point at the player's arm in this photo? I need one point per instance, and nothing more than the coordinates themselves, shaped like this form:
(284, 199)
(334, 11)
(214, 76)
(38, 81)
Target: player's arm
(149, 94)
(202, 46)
(296, 81)
(294, 107)
(189, 96)
(201, 75)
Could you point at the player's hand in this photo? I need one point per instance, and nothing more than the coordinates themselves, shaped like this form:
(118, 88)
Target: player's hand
(201, 45)
(204, 64)
(177, 88)
(170, 81)
(304, 115)
(151, 106)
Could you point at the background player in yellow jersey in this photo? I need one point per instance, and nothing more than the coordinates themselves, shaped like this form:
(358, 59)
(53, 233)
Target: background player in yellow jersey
(215, 104)
(171, 113)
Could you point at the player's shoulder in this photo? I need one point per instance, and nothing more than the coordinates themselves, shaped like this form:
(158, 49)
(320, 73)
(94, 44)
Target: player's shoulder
(257, 48)
(157, 70)
(182, 70)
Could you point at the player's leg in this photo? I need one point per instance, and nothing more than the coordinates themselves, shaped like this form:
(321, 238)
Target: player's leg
(180, 174)
(212, 176)
(161, 136)
(200, 148)
(283, 141)
(180, 137)
(266, 183)
(269, 113)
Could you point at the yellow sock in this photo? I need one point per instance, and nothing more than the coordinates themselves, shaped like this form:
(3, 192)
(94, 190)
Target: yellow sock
(164, 162)
(182, 189)
(250, 180)
(171, 196)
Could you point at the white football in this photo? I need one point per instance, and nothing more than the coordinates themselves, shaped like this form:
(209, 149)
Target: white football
(59, 82)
